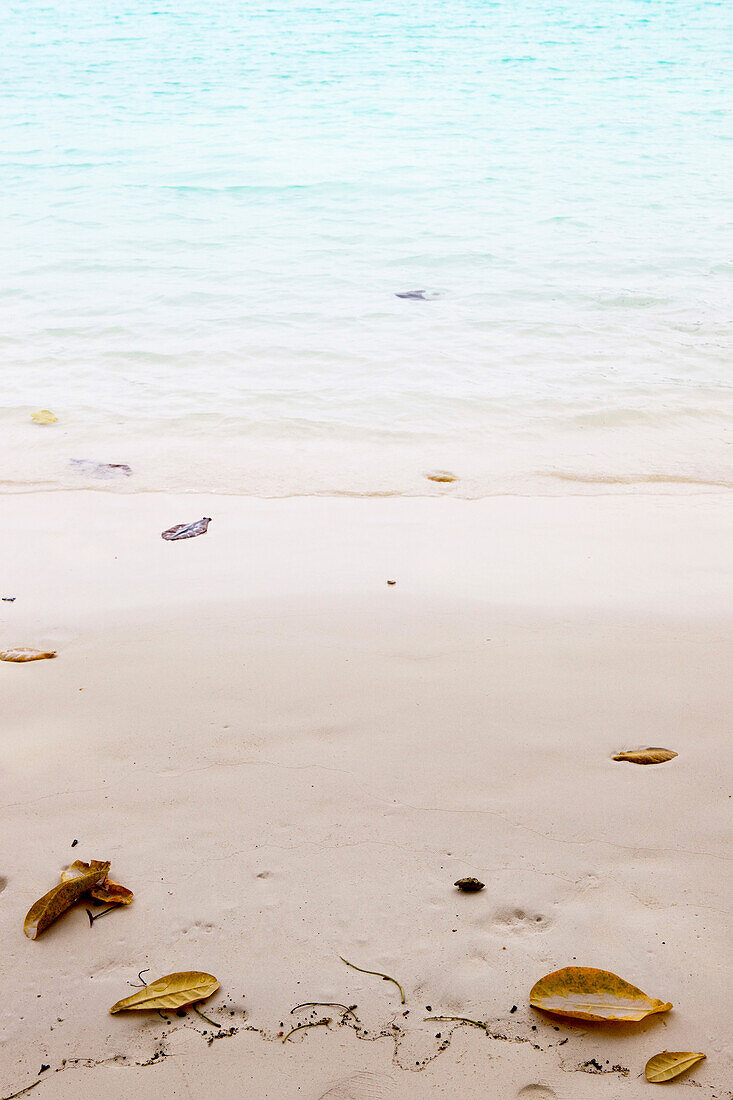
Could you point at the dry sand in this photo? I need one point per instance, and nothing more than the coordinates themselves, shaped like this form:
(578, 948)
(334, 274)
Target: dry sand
(289, 760)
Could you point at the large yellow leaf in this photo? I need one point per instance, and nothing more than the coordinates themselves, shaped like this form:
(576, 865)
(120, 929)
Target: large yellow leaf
(172, 991)
(670, 1064)
(43, 416)
(590, 994)
(646, 756)
(58, 900)
(21, 654)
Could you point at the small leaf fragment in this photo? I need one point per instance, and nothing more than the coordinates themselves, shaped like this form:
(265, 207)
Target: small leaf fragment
(646, 756)
(469, 885)
(60, 898)
(670, 1064)
(112, 893)
(586, 993)
(44, 416)
(187, 530)
(21, 654)
(442, 476)
(170, 992)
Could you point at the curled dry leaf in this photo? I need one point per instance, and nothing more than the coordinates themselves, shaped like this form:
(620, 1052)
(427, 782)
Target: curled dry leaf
(442, 476)
(586, 993)
(187, 530)
(22, 654)
(110, 892)
(170, 992)
(670, 1064)
(469, 885)
(43, 416)
(646, 756)
(58, 900)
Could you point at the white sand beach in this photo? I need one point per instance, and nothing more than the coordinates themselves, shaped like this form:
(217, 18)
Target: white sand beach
(289, 760)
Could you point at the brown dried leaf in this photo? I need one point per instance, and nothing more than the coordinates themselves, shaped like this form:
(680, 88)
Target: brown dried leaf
(670, 1064)
(586, 993)
(187, 530)
(646, 756)
(21, 654)
(110, 892)
(170, 992)
(442, 476)
(57, 901)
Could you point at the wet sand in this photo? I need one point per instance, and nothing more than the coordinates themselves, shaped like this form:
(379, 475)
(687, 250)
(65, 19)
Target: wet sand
(288, 760)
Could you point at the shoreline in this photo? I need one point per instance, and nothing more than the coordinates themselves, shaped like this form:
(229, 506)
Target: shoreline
(288, 760)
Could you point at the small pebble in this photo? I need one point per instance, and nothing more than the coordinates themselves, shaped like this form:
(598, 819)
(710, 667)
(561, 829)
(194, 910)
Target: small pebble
(74, 843)
(469, 885)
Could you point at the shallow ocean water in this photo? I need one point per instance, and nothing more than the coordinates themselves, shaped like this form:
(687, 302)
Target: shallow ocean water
(210, 208)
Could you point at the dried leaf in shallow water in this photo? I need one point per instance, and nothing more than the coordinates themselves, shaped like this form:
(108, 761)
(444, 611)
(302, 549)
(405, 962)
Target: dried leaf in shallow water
(43, 416)
(586, 993)
(187, 530)
(670, 1064)
(109, 892)
(171, 992)
(469, 885)
(646, 756)
(20, 655)
(58, 900)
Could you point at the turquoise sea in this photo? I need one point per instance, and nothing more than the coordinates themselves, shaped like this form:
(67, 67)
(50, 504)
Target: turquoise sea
(208, 209)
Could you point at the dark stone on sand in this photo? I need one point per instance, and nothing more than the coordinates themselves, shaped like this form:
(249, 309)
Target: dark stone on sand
(469, 885)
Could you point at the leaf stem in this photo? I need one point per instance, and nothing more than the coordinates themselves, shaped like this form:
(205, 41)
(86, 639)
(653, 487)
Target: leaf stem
(208, 1021)
(303, 1027)
(459, 1020)
(326, 1004)
(377, 974)
(98, 915)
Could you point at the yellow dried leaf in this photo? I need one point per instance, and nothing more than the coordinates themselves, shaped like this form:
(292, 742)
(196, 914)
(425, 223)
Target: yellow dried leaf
(646, 756)
(21, 654)
(670, 1064)
(110, 892)
(171, 992)
(57, 901)
(586, 993)
(43, 416)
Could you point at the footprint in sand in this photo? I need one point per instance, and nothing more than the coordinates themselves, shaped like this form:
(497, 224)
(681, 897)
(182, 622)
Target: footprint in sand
(361, 1086)
(536, 1092)
(517, 920)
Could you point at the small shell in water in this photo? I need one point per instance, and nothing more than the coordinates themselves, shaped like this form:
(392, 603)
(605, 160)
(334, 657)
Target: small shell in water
(469, 885)
(441, 476)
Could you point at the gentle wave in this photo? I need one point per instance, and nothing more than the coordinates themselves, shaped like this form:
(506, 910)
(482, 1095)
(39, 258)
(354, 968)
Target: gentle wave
(210, 211)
